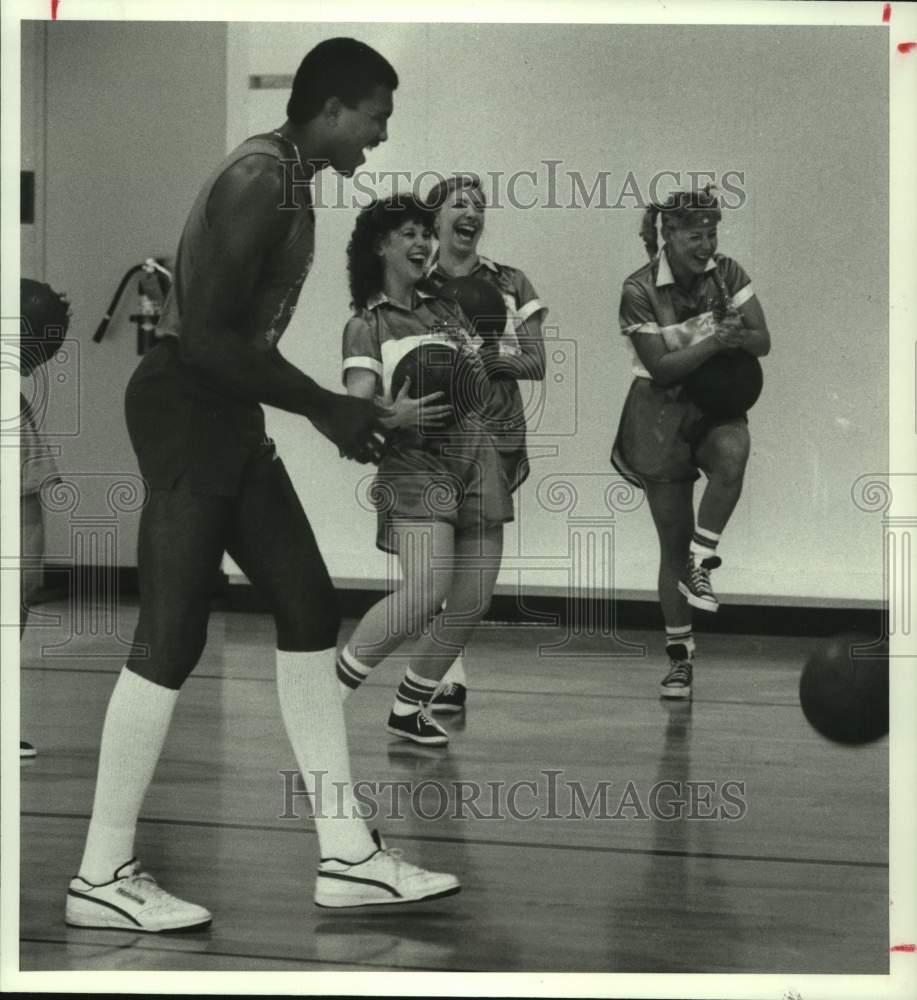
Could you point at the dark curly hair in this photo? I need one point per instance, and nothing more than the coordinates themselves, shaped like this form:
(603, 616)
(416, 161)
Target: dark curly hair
(374, 223)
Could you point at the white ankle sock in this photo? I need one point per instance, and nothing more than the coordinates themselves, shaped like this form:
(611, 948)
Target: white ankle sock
(136, 723)
(682, 634)
(704, 543)
(310, 702)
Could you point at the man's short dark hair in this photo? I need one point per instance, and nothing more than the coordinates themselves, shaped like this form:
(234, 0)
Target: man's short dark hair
(338, 67)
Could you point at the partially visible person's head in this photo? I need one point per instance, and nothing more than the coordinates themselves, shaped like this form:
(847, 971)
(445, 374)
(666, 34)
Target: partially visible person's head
(347, 87)
(43, 324)
(458, 203)
(394, 233)
(688, 225)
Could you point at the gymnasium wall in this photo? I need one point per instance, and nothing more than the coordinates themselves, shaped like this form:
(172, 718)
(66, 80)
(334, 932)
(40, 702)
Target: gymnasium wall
(31, 141)
(128, 117)
(137, 113)
(801, 112)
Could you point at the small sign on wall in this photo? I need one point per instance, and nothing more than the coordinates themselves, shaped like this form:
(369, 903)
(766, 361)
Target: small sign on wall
(26, 197)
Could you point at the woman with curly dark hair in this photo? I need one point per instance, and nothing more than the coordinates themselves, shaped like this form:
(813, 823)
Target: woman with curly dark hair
(441, 492)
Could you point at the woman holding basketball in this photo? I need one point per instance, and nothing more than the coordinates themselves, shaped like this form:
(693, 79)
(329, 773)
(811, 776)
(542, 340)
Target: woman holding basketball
(681, 309)
(441, 491)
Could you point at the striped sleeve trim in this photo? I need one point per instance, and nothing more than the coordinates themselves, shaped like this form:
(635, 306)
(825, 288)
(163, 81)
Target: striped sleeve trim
(529, 309)
(640, 328)
(743, 295)
(373, 364)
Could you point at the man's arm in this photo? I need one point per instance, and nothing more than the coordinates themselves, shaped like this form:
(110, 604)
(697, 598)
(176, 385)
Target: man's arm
(246, 223)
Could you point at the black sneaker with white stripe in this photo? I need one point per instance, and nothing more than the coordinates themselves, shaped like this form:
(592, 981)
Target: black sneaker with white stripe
(696, 582)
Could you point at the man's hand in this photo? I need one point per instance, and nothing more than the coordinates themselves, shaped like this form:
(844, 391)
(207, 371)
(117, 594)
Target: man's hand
(407, 412)
(354, 425)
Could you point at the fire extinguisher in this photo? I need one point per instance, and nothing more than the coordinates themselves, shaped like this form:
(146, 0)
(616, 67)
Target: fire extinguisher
(152, 289)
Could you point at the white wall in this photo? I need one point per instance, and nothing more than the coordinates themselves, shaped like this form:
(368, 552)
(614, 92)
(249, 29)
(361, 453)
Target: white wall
(132, 116)
(135, 114)
(31, 139)
(802, 112)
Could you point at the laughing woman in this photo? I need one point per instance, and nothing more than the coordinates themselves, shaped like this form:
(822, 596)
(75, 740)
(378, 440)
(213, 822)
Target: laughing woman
(460, 208)
(679, 310)
(443, 494)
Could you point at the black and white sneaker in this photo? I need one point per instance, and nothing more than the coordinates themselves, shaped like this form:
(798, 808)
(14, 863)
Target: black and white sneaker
(381, 879)
(696, 583)
(417, 727)
(132, 901)
(26, 750)
(677, 682)
(449, 699)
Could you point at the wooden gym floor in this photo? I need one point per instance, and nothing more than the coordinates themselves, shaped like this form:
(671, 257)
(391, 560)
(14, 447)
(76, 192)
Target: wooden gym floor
(797, 883)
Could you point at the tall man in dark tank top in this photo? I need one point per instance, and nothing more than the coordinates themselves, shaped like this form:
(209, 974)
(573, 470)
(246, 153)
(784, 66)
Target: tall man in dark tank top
(216, 485)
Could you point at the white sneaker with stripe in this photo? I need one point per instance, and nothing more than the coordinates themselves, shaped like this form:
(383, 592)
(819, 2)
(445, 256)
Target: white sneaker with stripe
(132, 901)
(383, 878)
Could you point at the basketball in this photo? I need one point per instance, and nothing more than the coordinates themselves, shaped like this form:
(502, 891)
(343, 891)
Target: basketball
(44, 320)
(726, 385)
(844, 694)
(480, 301)
(440, 367)
(430, 367)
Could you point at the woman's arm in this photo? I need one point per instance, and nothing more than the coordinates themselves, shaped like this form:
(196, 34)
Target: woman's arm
(529, 364)
(754, 335)
(361, 382)
(744, 327)
(404, 411)
(669, 367)
(744, 324)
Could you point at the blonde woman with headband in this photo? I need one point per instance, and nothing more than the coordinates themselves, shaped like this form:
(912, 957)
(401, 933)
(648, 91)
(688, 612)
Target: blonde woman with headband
(679, 311)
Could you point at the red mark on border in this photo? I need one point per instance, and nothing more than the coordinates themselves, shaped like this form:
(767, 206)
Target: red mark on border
(906, 47)
(54, 6)
(909, 948)
(887, 13)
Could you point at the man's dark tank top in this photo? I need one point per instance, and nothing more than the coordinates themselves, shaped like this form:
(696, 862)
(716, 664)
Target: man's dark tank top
(284, 270)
